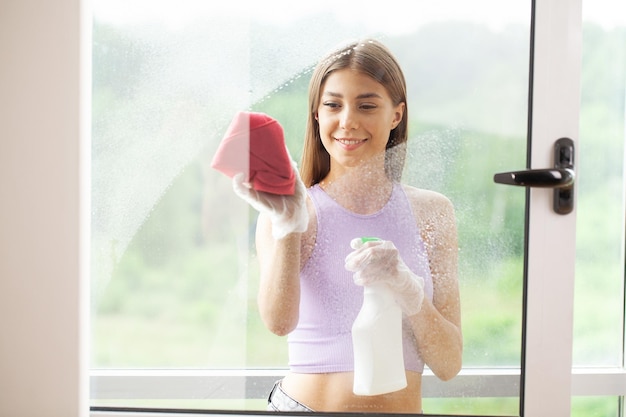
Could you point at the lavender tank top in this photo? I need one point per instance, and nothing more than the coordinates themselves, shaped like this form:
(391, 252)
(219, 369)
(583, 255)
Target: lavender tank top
(329, 299)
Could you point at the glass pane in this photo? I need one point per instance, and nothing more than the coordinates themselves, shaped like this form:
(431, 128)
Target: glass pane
(485, 406)
(599, 299)
(596, 407)
(175, 274)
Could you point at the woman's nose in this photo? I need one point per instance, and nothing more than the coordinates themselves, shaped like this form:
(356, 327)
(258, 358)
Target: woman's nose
(348, 119)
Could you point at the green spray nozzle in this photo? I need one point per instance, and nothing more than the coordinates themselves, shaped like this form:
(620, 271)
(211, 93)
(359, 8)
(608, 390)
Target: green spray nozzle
(366, 239)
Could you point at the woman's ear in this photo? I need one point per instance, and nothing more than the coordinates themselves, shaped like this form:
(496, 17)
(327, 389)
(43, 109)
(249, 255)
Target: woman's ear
(399, 112)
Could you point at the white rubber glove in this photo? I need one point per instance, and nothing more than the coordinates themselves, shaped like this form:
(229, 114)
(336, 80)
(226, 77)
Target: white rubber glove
(288, 213)
(379, 261)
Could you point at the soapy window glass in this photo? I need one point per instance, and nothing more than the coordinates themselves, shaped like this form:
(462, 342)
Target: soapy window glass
(174, 274)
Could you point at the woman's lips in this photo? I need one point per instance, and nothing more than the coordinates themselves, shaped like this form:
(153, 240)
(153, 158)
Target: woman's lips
(350, 144)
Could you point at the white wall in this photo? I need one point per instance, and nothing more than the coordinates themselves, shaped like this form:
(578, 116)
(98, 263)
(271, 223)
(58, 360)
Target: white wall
(41, 335)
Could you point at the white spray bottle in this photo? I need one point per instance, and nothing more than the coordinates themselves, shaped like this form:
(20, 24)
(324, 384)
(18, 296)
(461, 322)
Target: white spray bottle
(377, 342)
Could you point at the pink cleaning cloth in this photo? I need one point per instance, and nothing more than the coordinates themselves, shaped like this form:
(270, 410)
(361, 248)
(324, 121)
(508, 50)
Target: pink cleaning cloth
(255, 145)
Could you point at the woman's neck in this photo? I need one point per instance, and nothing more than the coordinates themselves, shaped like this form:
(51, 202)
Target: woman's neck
(364, 189)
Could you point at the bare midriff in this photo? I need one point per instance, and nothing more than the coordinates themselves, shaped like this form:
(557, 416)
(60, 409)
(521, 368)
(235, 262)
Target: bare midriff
(333, 392)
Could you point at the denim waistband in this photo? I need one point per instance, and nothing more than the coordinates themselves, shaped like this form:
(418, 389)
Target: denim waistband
(278, 400)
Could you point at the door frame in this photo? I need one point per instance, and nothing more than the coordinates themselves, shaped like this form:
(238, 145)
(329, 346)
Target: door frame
(551, 237)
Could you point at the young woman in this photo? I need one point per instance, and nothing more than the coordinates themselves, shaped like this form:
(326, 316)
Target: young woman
(311, 270)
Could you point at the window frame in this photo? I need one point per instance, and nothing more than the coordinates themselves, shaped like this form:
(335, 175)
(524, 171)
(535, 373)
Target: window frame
(26, 291)
(62, 30)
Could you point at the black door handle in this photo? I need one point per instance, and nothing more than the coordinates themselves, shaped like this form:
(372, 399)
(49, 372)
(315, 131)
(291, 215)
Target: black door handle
(561, 177)
(544, 178)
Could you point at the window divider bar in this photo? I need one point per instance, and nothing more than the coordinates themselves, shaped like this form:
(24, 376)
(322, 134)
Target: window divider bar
(247, 383)
(237, 384)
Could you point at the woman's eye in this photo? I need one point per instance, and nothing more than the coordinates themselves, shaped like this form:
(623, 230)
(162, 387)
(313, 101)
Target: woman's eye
(368, 106)
(331, 105)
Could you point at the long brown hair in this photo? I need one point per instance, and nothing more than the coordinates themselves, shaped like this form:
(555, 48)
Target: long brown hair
(371, 58)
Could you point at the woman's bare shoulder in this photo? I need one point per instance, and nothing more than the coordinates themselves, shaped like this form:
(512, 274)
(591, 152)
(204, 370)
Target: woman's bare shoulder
(431, 201)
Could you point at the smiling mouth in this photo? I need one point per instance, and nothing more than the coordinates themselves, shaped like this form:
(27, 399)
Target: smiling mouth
(350, 142)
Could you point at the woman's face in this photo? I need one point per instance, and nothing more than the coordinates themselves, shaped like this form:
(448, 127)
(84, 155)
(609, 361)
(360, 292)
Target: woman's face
(355, 116)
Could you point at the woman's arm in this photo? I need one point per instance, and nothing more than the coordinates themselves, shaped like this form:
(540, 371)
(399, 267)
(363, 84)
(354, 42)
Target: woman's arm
(282, 220)
(437, 326)
(280, 263)
(279, 288)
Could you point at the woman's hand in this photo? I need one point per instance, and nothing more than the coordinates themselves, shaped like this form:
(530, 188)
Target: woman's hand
(287, 213)
(379, 262)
